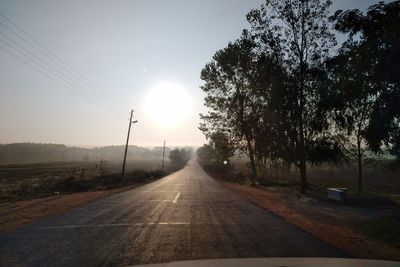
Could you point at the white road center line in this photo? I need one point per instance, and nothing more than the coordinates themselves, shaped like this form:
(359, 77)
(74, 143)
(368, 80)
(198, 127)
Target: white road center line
(176, 198)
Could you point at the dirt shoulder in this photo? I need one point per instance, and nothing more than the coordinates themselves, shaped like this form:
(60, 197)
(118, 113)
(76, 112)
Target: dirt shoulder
(14, 215)
(326, 222)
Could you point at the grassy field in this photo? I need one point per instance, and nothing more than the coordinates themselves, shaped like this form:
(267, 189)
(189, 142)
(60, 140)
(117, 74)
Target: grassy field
(22, 181)
(379, 177)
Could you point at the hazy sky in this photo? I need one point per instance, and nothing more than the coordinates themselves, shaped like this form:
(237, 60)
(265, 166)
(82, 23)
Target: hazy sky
(130, 50)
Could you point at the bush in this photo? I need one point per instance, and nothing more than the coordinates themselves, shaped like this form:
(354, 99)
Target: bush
(140, 175)
(45, 186)
(108, 180)
(73, 184)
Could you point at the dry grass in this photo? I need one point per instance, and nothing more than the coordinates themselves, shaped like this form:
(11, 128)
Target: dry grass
(14, 214)
(22, 181)
(379, 178)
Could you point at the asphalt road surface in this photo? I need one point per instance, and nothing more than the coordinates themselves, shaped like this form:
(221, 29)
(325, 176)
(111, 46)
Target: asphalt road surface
(186, 215)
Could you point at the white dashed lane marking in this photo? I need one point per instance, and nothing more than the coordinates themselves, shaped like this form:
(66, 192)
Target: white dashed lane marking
(176, 198)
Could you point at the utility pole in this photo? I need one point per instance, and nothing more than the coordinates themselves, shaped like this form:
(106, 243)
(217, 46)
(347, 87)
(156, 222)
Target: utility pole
(127, 142)
(163, 154)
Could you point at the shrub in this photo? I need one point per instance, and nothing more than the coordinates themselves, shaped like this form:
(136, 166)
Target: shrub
(73, 184)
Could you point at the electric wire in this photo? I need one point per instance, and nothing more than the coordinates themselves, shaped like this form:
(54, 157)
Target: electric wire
(57, 80)
(56, 58)
(67, 77)
(33, 57)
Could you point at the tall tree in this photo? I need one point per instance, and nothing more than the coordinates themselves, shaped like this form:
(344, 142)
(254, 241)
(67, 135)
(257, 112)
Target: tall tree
(296, 33)
(355, 95)
(377, 36)
(228, 95)
(238, 91)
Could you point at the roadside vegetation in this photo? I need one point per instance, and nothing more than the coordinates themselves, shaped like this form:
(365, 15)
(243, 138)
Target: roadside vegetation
(178, 157)
(33, 180)
(286, 94)
(33, 191)
(292, 111)
(25, 181)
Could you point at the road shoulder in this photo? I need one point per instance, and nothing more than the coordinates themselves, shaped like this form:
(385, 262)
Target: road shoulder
(14, 215)
(329, 228)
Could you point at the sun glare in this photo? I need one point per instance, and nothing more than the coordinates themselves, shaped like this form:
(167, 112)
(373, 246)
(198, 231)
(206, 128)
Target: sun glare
(168, 104)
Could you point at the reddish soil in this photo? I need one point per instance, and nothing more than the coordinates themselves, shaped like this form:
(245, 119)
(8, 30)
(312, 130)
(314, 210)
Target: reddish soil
(319, 220)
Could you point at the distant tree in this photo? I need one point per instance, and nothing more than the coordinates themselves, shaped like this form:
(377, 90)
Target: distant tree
(296, 33)
(218, 151)
(85, 158)
(179, 157)
(376, 35)
(205, 154)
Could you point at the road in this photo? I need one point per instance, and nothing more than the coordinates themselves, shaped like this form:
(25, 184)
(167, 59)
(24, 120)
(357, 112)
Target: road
(186, 215)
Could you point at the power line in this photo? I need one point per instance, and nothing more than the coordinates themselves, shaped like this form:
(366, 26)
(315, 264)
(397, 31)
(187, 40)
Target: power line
(61, 72)
(57, 80)
(56, 72)
(22, 50)
(54, 57)
(48, 69)
(143, 130)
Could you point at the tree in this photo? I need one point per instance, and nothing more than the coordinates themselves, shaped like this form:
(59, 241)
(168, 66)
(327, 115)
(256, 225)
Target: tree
(376, 35)
(205, 153)
(356, 96)
(179, 157)
(229, 95)
(218, 151)
(238, 86)
(223, 147)
(296, 33)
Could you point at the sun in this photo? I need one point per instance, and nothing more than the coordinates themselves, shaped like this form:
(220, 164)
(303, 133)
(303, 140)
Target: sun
(168, 104)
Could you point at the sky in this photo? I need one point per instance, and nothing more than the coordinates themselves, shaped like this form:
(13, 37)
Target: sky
(103, 58)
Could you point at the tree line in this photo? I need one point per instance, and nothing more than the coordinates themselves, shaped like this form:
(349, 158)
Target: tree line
(178, 157)
(34, 152)
(286, 92)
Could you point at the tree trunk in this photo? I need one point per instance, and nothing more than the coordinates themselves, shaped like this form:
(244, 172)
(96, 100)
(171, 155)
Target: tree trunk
(253, 167)
(359, 159)
(252, 161)
(303, 176)
(301, 146)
